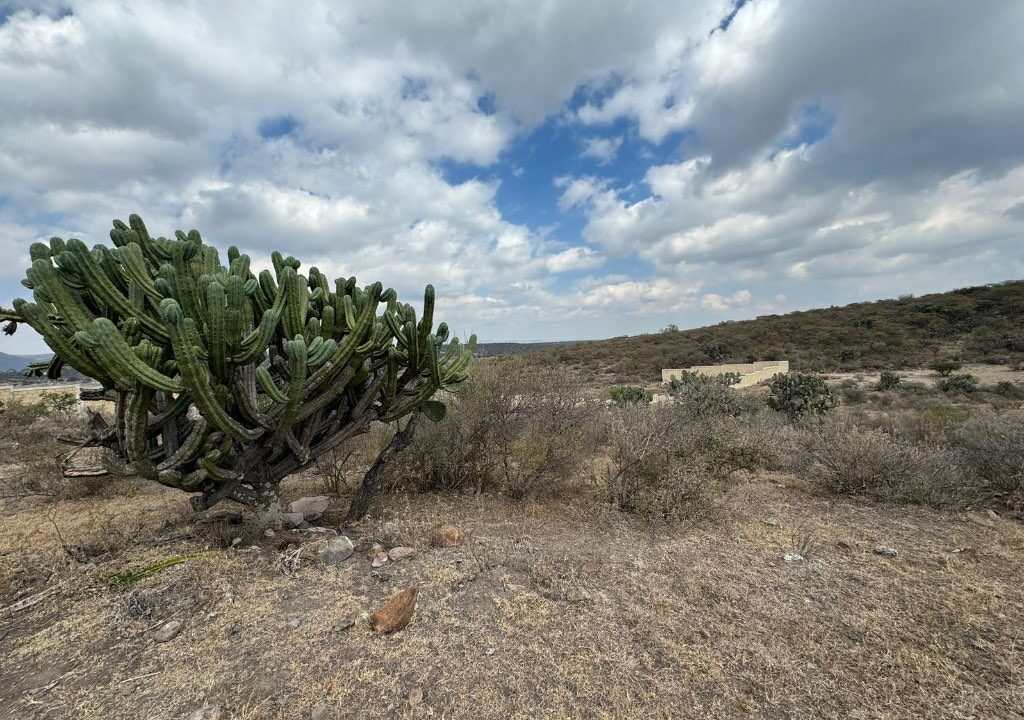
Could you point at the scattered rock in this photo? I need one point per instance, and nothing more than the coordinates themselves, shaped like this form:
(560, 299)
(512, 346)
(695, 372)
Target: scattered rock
(389, 534)
(206, 712)
(400, 553)
(311, 508)
(844, 544)
(291, 519)
(269, 532)
(771, 522)
(320, 712)
(886, 551)
(992, 514)
(793, 556)
(336, 551)
(294, 622)
(396, 613)
(379, 559)
(490, 651)
(447, 536)
(343, 624)
(236, 628)
(416, 696)
(168, 631)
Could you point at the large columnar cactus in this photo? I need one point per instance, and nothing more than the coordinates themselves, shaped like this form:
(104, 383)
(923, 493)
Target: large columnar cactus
(225, 381)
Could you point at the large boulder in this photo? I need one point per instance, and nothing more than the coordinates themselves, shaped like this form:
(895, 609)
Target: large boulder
(336, 551)
(310, 507)
(396, 613)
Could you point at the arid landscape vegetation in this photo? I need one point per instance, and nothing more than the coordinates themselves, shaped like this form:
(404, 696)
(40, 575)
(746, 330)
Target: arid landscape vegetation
(529, 360)
(722, 554)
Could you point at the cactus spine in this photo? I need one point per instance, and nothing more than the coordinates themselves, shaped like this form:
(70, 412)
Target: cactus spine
(225, 381)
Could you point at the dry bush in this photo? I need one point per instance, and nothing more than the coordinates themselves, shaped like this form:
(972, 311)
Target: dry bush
(662, 464)
(30, 453)
(340, 471)
(991, 451)
(853, 459)
(513, 428)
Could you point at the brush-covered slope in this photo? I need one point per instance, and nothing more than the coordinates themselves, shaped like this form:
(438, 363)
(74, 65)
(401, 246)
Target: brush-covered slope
(977, 324)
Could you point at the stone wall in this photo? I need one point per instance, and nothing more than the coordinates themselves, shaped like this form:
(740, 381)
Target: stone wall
(31, 394)
(751, 373)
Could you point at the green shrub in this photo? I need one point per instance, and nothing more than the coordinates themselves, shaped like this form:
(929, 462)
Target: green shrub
(945, 366)
(61, 404)
(798, 394)
(1007, 389)
(888, 380)
(630, 395)
(961, 383)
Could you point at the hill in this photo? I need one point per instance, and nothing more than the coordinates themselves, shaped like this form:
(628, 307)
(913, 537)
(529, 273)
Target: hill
(975, 324)
(511, 348)
(19, 362)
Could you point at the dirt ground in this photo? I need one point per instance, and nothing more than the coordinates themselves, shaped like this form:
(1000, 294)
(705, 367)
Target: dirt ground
(986, 374)
(545, 610)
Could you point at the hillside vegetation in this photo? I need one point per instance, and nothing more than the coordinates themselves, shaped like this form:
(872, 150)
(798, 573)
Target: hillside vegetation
(977, 324)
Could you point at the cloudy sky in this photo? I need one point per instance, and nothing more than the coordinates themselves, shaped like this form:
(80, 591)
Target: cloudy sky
(572, 169)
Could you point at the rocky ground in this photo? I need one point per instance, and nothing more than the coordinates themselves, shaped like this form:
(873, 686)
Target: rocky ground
(786, 604)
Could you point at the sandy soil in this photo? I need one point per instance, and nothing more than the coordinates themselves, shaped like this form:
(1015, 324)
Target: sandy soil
(559, 609)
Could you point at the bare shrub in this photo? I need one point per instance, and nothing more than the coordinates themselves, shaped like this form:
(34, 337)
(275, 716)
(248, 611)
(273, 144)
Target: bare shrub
(991, 450)
(658, 466)
(515, 428)
(340, 471)
(30, 456)
(852, 459)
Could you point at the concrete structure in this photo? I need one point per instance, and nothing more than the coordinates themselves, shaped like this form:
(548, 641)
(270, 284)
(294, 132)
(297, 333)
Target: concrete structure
(750, 373)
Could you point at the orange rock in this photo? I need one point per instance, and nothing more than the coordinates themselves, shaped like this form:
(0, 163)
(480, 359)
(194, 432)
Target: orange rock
(396, 613)
(448, 535)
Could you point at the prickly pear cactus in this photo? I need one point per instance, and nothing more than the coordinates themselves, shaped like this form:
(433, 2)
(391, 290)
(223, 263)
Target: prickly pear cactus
(225, 381)
(798, 394)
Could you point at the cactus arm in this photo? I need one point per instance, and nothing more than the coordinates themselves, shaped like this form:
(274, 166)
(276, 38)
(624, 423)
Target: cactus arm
(427, 321)
(298, 356)
(111, 349)
(267, 384)
(243, 389)
(47, 281)
(134, 263)
(136, 421)
(197, 381)
(99, 285)
(216, 317)
(254, 346)
(61, 343)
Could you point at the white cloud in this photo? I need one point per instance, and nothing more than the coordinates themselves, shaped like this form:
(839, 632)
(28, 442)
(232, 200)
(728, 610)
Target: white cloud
(602, 149)
(820, 151)
(575, 258)
(717, 303)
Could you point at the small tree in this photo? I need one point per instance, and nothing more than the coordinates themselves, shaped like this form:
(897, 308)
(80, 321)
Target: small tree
(945, 366)
(226, 382)
(798, 394)
(889, 380)
(960, 383)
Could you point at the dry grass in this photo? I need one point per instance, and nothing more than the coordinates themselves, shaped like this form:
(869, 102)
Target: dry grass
(547, 609)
